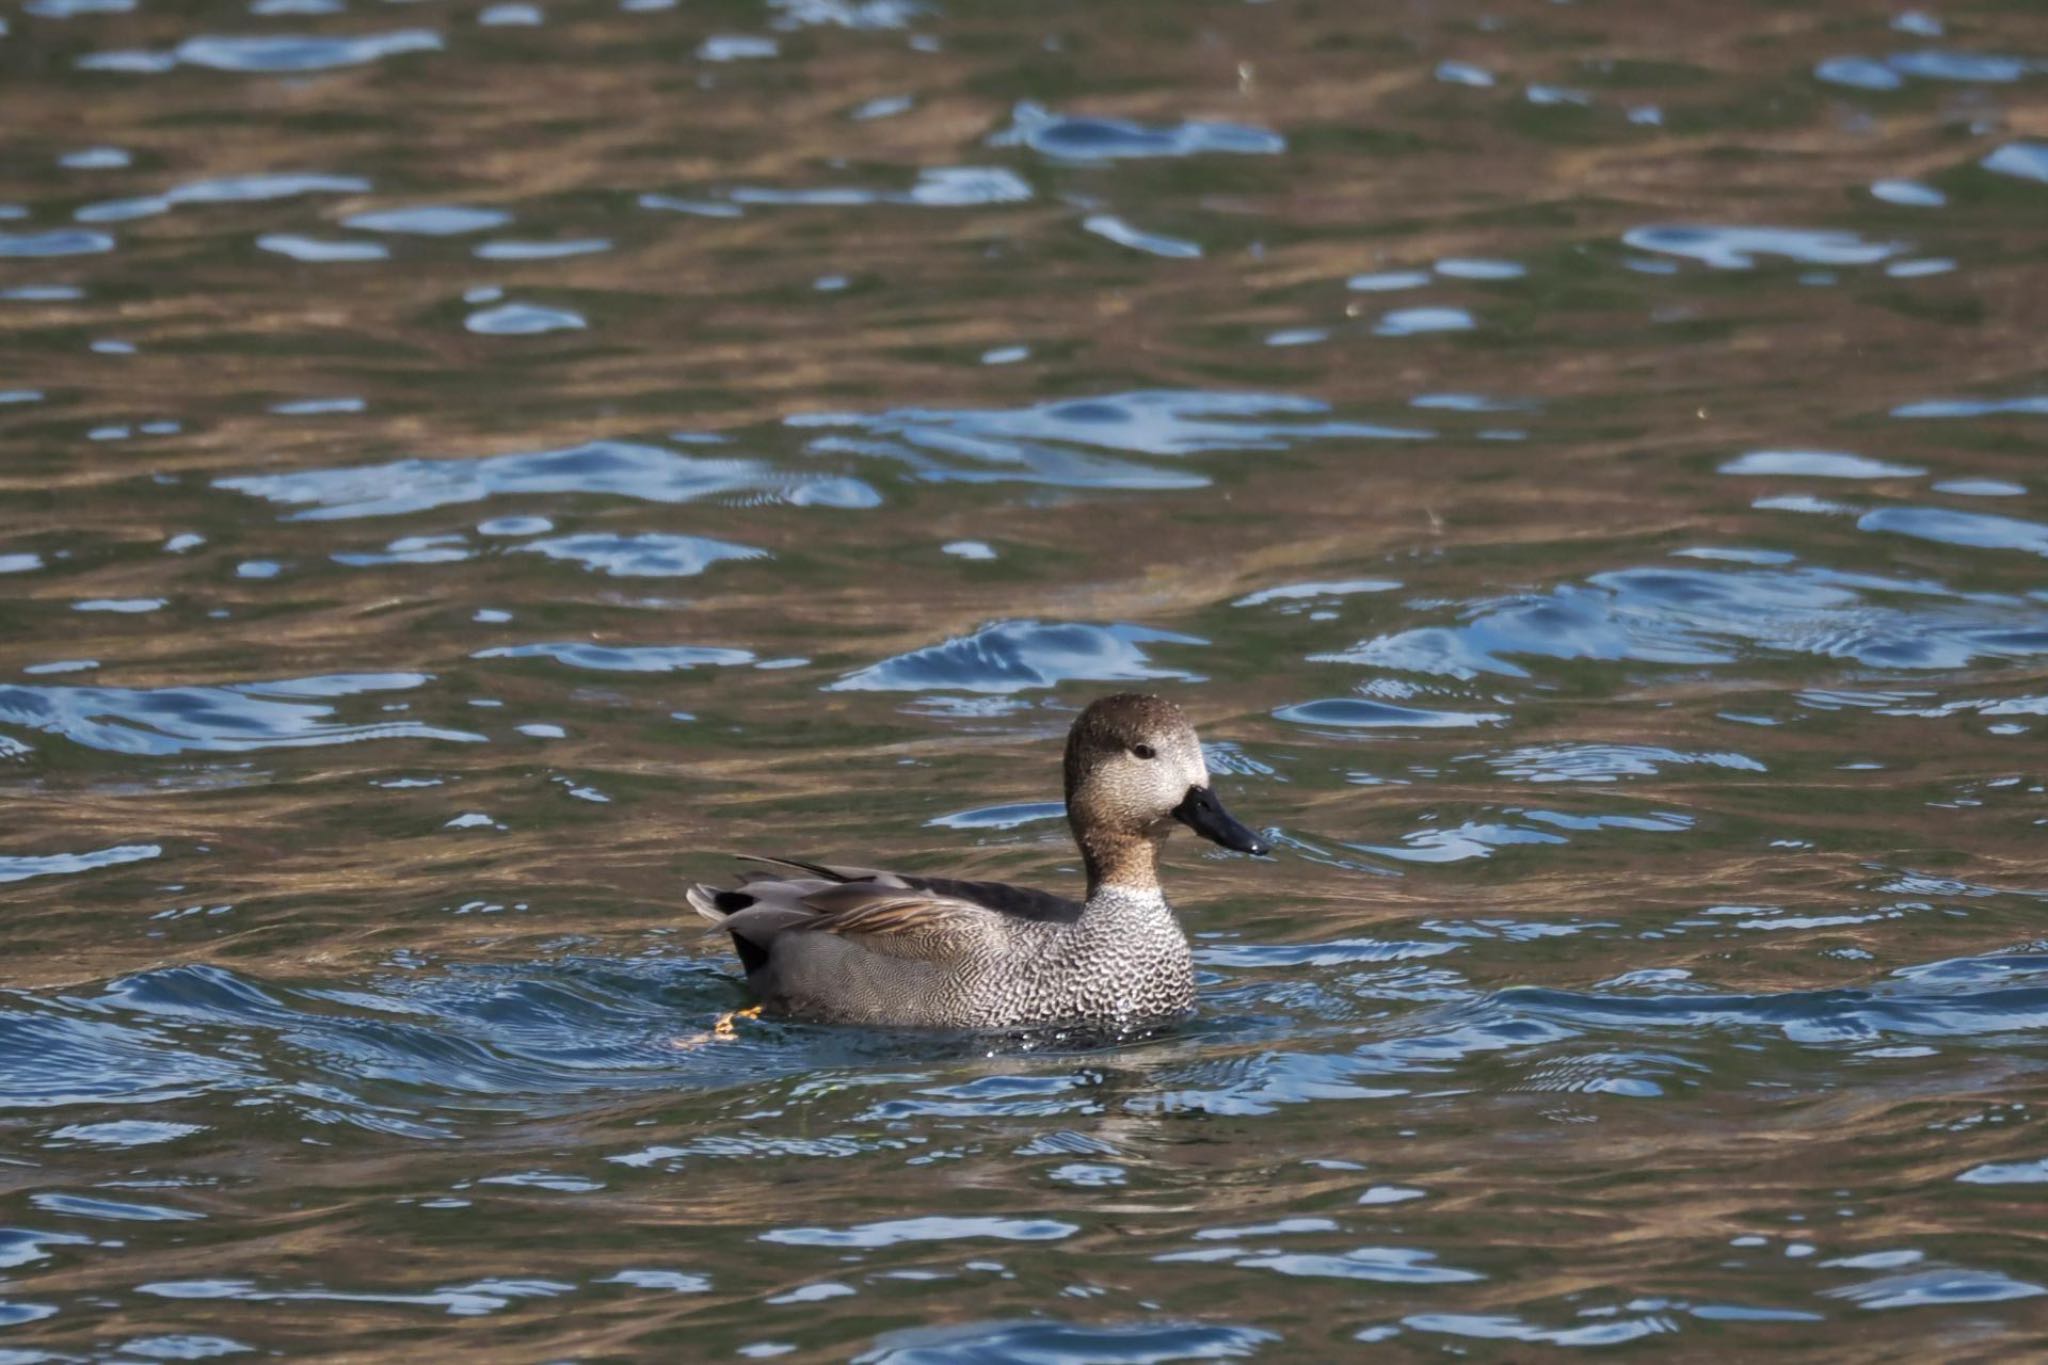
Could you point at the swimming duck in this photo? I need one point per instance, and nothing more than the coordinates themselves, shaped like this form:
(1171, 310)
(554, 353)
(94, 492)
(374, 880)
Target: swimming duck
(859, 946)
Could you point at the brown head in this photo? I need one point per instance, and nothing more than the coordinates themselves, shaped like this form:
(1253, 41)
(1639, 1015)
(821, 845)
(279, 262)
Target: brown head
(1134, 768)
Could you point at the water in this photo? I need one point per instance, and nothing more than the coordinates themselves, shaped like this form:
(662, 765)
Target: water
(468, 468)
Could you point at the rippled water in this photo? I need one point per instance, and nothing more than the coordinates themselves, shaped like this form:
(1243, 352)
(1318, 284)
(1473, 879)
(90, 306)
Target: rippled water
(468, 467)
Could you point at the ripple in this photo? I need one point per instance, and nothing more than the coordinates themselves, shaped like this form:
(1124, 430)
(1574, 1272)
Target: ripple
(1969, 67)
(1908, 193)
(978, 550)
(850, 14)
(1112, 228)
(1656, 822)
(1944, 526)
(1470, 268)
(1080, 138)
(1464, 73)
(410, 550)
(646, 473)
(59, 1059)
(2033, 405)
(122, 606)
(514, 527)
(24, 1246)
(238, 718)
(1040, 1341)
(936, 1228)
(95, 158)
(1316, 591)
(1469, 402)
(672, 1281)
(1813, 464)
(696, 208)
(2022, 160)
(738, 47)
(71, 9)
(125, 1133)
(992, 817)
(523, 320)
(812, 196)
(1055, 443)
(129, 61)
(429, 220)
(1243, 1087)
(476, 1299)
(282, 53)
(110, 1210)
(966, 187)
(1910, 1007)
(750, 1147)
(544, 1180)
(233, 189)
(1472, 841)
(1501, 1327)
(1737, 248)
(1408, 322)
(2007, 1173)
(21, 868)
(1937, 1288)
(1858, 73)
(1016, 656)
(1981, 488)
(393, 1056)
(1608, 762)
(183, 1346)
(1333, 953)
(1354, 713)
(642, 556)
(1380, 1265)
(623, 658)
(1921, 269)
(541, 251)
(1697, 617)
(1388, 281)
(321, 251)
(59, 242)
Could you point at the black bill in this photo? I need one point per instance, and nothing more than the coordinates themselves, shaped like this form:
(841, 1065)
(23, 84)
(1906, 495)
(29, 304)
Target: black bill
(1204, 814)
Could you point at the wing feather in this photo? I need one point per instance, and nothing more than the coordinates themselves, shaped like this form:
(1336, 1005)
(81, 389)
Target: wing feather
(918, 918)
(899, 923)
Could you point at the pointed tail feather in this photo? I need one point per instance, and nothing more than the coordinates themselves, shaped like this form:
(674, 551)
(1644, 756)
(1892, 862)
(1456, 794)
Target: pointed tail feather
(830, 874)
(715, 903)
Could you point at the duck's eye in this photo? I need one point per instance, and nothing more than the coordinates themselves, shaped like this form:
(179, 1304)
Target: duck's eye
(1144, 751)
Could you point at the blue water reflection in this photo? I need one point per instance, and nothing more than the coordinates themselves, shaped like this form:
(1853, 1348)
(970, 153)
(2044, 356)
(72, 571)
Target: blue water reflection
(1694, 617)
(626, 469)
(1014, 656)
(237, 718)
(1077, 138)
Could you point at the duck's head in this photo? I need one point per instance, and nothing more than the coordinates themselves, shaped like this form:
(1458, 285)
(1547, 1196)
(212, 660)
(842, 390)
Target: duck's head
(1134, 767)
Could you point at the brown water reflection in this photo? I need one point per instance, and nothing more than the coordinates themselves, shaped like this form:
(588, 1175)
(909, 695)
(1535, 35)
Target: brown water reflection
(1577, 462)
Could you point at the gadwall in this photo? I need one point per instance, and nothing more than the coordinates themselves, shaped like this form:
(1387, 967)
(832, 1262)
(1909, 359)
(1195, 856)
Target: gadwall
(857, 946)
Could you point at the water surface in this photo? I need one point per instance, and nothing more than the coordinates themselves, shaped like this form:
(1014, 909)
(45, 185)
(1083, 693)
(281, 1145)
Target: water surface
(465, 468)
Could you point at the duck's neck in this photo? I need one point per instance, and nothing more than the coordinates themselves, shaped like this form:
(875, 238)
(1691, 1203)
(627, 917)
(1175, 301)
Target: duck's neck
(1126, 864)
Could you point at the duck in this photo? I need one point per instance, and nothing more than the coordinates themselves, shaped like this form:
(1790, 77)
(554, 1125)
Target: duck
(821, 943)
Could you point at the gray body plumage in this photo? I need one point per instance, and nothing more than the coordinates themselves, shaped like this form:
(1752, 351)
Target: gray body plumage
(860, 946)
(1121, 959)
